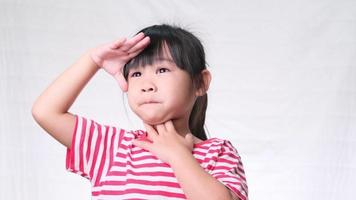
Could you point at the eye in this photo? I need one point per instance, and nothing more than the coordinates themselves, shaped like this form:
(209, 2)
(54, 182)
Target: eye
(162, 70)
(136, 74)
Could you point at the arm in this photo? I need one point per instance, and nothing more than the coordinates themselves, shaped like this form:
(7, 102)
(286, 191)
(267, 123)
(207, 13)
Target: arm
(195, 181)
(50, 109)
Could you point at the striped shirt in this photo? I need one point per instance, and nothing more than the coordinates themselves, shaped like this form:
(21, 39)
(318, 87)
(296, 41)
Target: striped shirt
(117, 169)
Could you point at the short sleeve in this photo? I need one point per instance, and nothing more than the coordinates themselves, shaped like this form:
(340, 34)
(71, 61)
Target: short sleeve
(92, 148)
(229, 170)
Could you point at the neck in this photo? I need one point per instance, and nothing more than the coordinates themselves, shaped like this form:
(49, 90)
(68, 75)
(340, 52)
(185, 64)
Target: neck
(181, 126)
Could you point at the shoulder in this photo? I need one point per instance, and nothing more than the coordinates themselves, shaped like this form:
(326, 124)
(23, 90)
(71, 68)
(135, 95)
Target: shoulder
(216, 142)
(217, 146)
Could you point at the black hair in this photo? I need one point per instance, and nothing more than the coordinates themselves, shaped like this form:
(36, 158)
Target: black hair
(188, 54)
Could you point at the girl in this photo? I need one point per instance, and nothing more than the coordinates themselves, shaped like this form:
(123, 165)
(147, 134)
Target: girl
(163, 71)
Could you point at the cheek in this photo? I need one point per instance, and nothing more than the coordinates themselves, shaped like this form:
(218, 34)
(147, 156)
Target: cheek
(182, 95)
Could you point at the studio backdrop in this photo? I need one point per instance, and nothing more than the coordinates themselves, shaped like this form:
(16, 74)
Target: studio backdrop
(283, 88)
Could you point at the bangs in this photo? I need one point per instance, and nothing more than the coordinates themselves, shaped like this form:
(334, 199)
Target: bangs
(156, 50)
(167, 42)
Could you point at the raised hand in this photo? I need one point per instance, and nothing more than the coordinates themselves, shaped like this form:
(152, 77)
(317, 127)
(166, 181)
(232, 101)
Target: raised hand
(166, 143)
(112, 57)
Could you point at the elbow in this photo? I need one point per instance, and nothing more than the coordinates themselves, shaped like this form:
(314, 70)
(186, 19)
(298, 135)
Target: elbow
(39, 113)
(36, 113)
(40, 117)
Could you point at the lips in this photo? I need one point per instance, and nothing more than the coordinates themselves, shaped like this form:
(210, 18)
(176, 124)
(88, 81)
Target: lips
(150, 102)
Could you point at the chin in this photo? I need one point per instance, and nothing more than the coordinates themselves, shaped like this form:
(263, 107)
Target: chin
(153, 120)
(154, 116)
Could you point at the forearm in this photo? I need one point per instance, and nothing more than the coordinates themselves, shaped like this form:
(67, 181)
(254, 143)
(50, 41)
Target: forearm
(196, 182)
(62, 92)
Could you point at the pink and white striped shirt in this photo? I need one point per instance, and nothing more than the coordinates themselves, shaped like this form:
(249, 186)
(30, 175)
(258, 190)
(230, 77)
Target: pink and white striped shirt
(118, 169)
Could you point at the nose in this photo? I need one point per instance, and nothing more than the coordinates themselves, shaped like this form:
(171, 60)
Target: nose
(148, 87)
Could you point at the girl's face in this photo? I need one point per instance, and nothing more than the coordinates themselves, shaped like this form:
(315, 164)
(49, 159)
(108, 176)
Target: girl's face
(161, 91)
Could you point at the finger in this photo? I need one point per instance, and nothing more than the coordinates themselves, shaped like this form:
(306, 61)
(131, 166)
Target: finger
(118, 43)
(189, 137)
(140, 45)
(134, 54)
(150, 131)
(161, 129)
(133, 41)
(143, 144)
(169, 125)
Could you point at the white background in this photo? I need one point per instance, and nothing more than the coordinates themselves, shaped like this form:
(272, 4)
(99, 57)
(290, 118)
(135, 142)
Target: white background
(283, 89)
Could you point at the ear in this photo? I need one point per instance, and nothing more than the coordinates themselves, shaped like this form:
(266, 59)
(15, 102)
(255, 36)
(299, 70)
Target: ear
(206, 76)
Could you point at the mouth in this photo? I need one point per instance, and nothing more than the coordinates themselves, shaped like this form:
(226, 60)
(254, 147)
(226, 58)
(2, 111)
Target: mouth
(150, 102)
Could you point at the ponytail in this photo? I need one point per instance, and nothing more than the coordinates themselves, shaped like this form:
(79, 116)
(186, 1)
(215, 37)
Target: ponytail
(197, 117)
